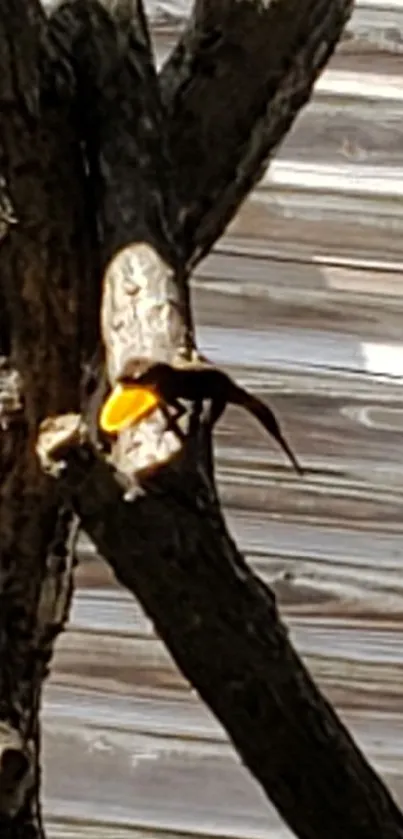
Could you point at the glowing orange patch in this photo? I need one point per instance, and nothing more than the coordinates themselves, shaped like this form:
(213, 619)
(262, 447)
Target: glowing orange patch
(126, 406)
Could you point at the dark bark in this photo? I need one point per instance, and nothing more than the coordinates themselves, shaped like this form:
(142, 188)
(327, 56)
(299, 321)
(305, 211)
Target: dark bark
(148, 213)
(37, 538)
(43, 265)
(220, 623)
(121, 120)
(119, 116)
(231, 90)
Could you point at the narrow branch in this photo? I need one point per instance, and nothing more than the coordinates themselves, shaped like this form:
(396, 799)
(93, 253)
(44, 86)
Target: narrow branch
(232, 88)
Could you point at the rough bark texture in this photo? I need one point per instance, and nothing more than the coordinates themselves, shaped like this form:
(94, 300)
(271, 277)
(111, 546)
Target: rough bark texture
(220, 623)
(36, 561)
(231, 90)
(42, 265)
(86, 82)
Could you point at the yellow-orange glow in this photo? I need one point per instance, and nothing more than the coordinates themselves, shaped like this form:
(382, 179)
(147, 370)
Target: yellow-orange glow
(126, 406)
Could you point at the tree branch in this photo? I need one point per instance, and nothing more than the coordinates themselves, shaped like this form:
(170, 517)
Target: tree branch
(119, 115)
(220, 623)
(231, 89)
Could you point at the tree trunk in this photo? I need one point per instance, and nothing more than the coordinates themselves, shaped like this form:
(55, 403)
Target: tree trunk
(44, 268)
(113, 172)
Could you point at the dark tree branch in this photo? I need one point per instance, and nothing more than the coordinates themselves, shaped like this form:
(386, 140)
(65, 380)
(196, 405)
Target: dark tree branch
(220, 623)
(120, 117)
(231, 89)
